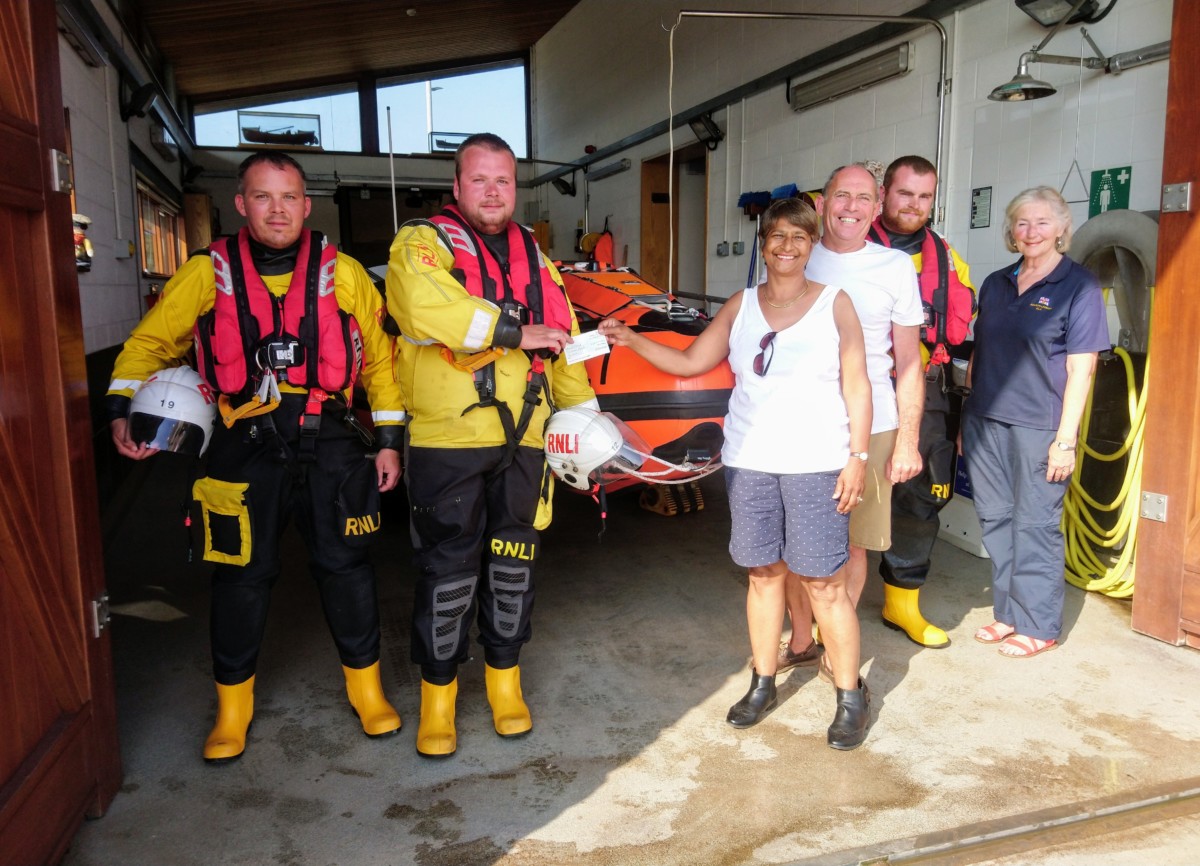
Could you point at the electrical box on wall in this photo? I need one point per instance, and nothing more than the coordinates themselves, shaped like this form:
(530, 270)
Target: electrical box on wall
(123, 249)
(739, 247)
(723, 248)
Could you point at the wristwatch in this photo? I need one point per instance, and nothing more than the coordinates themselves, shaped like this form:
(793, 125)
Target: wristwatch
(861, 455)
(1063, 446)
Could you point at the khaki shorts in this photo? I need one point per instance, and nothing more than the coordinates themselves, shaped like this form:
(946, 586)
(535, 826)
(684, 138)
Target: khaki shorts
(871, 520)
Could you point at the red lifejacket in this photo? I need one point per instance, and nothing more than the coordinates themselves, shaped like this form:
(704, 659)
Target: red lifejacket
(304, 335)
(949, 303)
(482, 275)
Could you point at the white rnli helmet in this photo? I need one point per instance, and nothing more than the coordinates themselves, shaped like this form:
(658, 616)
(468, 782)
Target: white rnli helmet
(174, 410)
(585, 446)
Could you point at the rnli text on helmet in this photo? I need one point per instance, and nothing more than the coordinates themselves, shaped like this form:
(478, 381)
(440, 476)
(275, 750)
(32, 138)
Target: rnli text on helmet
(562, 443)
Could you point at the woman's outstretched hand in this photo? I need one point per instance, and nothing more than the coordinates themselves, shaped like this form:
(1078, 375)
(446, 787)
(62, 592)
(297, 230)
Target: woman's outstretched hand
(616, 332)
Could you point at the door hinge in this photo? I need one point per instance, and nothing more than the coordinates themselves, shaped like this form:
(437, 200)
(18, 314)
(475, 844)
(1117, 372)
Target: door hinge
(101, 616)
(1177, 197)
(1154, 506)
(60, 171)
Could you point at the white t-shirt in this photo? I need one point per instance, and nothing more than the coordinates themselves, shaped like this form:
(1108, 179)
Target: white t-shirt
(882, 283)
(793, 419)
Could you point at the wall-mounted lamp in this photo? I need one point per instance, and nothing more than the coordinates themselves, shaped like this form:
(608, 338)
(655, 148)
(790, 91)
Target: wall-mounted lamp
(1025, 86)
(889, 63)
(1051, 12)
(608, 170)
(706, 130)
(566, 187)
(139, 101)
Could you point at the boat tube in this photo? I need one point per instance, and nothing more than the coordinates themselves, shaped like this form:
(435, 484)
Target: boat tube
(680, 419)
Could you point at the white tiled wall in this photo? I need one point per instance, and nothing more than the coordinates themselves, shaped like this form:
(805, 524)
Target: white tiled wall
(109, 294)
(619, 85)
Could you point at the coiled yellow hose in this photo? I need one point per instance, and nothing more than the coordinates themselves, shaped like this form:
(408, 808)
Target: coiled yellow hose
(1097, 559)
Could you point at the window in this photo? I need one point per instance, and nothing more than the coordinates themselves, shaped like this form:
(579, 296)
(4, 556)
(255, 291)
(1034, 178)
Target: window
(327, 121)
(162, 233)
(434, 115)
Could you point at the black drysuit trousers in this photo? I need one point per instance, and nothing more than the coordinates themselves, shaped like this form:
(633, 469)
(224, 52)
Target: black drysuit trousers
(340, 483)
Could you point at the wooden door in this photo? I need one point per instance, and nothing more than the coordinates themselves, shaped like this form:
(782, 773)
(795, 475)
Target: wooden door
(1166, 600)
(657, 224)
(58, 752)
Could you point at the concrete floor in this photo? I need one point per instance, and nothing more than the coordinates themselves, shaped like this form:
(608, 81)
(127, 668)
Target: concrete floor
(639, 649)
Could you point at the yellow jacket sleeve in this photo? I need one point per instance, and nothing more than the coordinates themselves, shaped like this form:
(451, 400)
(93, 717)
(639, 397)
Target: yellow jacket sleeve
(428, 303)
(164, 335)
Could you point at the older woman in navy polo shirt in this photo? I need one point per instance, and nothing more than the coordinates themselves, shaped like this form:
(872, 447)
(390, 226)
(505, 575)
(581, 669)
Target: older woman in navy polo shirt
(1041, 324)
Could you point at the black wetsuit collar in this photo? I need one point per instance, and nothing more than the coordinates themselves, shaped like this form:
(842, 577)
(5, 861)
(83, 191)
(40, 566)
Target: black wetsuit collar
(270, 262)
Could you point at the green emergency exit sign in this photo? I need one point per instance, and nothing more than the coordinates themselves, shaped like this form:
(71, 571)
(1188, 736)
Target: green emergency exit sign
(1110, 190)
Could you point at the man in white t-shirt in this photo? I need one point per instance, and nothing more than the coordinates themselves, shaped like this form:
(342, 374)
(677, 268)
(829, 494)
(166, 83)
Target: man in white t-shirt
(887, 298)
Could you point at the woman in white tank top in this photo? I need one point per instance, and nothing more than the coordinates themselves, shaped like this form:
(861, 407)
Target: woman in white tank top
(799, 417)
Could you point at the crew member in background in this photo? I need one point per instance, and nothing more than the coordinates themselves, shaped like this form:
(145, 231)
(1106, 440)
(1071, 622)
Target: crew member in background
(288, 443)
(883, 287)
(909, 193)
(484, 318)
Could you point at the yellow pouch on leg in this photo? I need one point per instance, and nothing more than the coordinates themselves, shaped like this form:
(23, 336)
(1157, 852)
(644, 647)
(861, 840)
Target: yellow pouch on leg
(545, 506)
(226, 520)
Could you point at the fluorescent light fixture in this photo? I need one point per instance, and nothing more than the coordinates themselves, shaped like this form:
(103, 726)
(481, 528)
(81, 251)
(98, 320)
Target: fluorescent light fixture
(889, 63)
(608, 170)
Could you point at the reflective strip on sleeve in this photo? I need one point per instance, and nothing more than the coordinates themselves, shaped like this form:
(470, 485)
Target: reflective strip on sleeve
(481, 325)
(124, 385)
(389, 417)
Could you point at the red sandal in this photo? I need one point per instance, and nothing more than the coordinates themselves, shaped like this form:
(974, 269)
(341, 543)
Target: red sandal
(1025, 647)
(994, 633)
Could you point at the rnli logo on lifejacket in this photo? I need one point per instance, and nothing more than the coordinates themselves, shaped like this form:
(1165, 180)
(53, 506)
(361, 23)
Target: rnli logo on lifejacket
(325, 283)
(222, 273)
(360, 526)
(514, 549)
(562, 443)
(459, 238)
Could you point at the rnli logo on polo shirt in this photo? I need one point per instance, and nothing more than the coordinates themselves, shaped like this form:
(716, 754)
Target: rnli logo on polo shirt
(1042, 303)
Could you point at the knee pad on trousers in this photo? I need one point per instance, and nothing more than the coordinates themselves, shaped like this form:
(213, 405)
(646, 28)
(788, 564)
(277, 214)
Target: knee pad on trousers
(509, 583)
(451, 601)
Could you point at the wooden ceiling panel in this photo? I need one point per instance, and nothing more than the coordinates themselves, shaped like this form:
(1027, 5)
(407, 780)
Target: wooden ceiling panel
(224, 48)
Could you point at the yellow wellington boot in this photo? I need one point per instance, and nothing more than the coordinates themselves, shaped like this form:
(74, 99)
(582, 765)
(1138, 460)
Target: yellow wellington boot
(235, 709)
(378, 717)
(510, 715)
(435, 734)
(902, 612)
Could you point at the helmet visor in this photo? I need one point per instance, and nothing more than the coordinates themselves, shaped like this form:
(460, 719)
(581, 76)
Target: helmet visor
(166, 434)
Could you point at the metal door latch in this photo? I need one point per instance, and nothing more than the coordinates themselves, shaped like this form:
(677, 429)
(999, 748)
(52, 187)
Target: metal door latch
(101, 616)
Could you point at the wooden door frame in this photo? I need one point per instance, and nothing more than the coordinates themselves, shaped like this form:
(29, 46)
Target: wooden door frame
(1166, 599)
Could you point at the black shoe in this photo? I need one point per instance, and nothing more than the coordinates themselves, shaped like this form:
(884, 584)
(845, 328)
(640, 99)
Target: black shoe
(849, 728)
(759, 701)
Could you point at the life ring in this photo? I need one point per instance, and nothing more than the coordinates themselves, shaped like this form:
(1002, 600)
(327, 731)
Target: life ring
(1121, 248)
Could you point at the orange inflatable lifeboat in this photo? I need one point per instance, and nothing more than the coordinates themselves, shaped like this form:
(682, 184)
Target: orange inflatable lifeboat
(680, 419)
